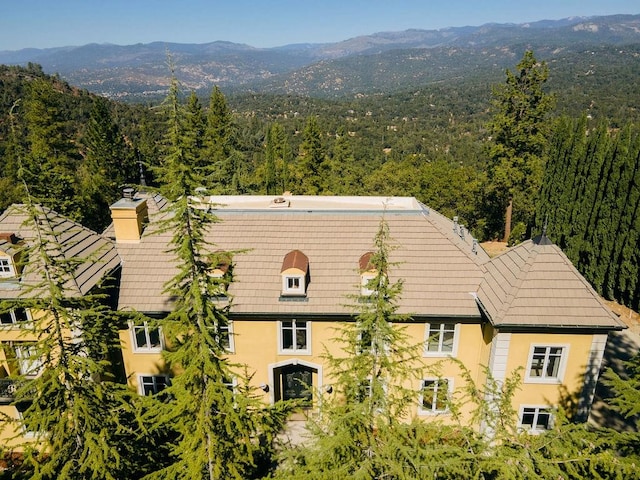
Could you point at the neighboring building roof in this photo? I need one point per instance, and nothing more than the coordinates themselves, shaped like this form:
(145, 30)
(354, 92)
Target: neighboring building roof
(437, 266)
(96, 255)
(535, 285)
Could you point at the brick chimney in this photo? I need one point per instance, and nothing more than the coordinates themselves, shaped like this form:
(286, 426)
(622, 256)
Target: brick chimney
(129, 215)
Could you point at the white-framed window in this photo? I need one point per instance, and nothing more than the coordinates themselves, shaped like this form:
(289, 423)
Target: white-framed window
(441, 339)
(365, 285)
(365, 341)
(293, 285)
(15, 316)
(546, 363)
(146, 338)
(226, 337)
(21, 408)
(535, 418)
(152, 384)
(294, 336)
(28, 359)
(434, 395)
(6, 267)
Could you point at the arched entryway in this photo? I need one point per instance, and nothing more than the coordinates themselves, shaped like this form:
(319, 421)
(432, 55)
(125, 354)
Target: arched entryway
(295, 380)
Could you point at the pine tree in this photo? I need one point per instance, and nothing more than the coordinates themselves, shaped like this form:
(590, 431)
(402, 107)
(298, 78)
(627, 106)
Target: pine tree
(519, 130)
(52, 159)
(371, 392)
(106, 167)
(79, 415)
(222, 430)
(221, 149)
(312, 167)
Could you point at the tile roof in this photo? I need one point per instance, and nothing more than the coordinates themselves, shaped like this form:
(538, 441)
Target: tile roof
(438, 269)
(96, 256)
(535, 285)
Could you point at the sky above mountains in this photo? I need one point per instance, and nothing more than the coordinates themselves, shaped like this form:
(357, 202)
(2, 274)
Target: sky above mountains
(263, 23)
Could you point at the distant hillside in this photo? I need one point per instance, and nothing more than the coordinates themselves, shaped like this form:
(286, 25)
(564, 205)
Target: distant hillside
(381, 62)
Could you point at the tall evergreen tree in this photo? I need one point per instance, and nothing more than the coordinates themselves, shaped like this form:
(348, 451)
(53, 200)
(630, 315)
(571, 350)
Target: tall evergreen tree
(519, 130)
(312, 168)
(68, 395)
(371, 391)
(222, 430)
(221, 149)
(107, 166)
(52, 159)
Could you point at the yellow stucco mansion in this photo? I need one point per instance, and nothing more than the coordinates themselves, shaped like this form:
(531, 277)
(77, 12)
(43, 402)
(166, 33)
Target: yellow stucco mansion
(302, 256)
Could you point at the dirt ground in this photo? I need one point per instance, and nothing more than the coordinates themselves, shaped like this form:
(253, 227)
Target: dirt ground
(494, 248)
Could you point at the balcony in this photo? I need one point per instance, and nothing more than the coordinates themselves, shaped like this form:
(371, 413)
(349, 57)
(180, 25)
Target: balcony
(8, 390)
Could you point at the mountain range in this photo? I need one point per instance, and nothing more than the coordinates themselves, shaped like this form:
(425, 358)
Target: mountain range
(381, 62)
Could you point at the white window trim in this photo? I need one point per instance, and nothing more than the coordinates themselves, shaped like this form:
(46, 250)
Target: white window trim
(232, 344)
(29, 363)
(25, 433)
(7, 263)
(300, 290)
(365, 278)
(294, 350)
(15, 323)
(153, 375)
(134, 344)
(561, 368)
(439, 353)
(430, 412)
(537, 409)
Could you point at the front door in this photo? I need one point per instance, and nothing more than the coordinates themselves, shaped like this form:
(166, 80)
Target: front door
(295, 382)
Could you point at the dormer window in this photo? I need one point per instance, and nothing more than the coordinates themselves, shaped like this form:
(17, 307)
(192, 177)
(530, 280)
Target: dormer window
(6, 268)
(8, 255)
(295, 272)
(368, 273)
(222, 270)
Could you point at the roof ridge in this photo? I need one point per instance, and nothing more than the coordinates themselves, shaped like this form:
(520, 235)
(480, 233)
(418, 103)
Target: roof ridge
(521, 275)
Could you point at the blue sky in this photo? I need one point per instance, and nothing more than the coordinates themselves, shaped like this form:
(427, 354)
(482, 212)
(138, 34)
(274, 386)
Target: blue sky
(262, 23)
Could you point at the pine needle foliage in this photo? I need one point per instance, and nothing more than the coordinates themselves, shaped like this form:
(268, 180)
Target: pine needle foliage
(71, 407)
(222, 430)
(371, 392)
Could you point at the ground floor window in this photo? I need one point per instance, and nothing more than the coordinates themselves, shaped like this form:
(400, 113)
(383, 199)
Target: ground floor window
(152, 384)
(536, 419)
(434, 395)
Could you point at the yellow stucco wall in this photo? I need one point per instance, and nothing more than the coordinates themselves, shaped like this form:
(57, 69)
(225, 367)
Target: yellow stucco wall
(549, 393)
(256, 345)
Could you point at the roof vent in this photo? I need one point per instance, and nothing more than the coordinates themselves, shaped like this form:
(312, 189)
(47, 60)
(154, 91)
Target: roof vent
(128, 193)
(279, 202)
(455, 224)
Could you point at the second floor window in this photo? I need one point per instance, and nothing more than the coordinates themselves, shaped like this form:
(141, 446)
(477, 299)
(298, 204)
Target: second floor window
(6, 268)
(440, 338)
(294, 336)
(14, 316)
(146, 338)
(28, 359)
(546, 363)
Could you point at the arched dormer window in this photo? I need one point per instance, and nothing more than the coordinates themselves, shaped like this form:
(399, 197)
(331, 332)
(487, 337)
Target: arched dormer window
(295, 274)
(368, 272)
(222, 269)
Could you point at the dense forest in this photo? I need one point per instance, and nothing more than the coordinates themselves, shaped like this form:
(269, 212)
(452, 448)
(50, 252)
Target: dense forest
(513, 169)
(437, 143)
